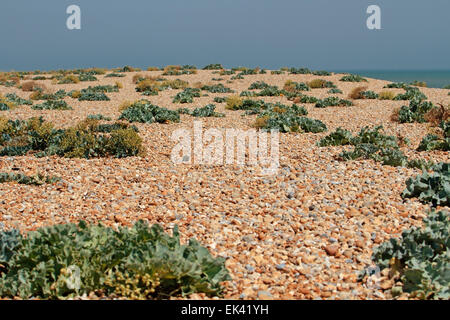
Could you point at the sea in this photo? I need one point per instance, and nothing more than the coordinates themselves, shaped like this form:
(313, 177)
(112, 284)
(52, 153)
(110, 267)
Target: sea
(433, 78)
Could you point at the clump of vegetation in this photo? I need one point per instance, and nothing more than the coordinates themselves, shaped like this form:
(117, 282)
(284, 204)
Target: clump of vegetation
(287, 120)
(14, 98)
(145, 112)
(69, 79)
(415, 112)
(411, 93)
(93, 96)
(340, 137)
(291, 86)
(215, 66)
(186, 96)
(87, 77)
(353, 78)
(138, 262)
(416, 83)
(98, 116)
(321, 83)
(52, 105)
(371, 144)
(218, 88)
(33, 86)
(270, 91)
(220, 99)
(258, 85)
(361, 93)
(333, 102)
(299, 71)
(419, 259)
(115, 75)
(19, 137)
(440, 118)
(233, 103)
(179, 70)
(335, 91)
(356, 93)
(206, 111)
(431, 187)
(397, 85)
(40, 95)
(386, 95)
(21, 178)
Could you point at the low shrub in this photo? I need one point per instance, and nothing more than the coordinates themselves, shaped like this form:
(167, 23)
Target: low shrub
(21, 178)
(416, 83)
(141, 262)
(371, 144)
(291, 86)
(430, 187)
(335, 91)
(353, 78)
(386, 95)
(218, 88)
(233, 103)
(33, 86)
(206, 111)
(321, 83)
(69, 79)
(356, 93)
(333, 102)
(411, 93)
(397, 85)
(418, 261)
(186, 96)
(415, 112)
(220, 99)
(115, 75)
(145, 112)
(215, 66)
(87, 77)
(14, 98)
(52, 105)
(258, 85)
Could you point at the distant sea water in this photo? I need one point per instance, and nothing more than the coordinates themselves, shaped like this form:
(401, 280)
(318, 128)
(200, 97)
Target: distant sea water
(434, 79)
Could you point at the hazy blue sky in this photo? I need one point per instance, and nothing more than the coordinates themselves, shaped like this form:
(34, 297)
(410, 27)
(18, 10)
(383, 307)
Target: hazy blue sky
(320, 34)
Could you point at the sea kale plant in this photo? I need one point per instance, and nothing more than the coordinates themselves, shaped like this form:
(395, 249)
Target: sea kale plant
(420, 259)
(371, 144)
(187, 95)
(138, 262)
(145, 112)
(431, 187)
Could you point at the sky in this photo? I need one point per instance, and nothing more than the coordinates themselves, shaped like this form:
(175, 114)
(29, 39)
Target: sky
(318, 34)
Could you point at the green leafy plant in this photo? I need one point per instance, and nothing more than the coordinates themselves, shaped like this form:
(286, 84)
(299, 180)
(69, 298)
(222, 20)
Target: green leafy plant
(52, 105)
(21, 178)
(218, 88)
(340, 137)
(333, 102)
(141, 262)
(353, 78)
(145, 112)
(187, 95)
(430, 187)
(14, 98)
(335, 91)
(220, 99)
(415, 112)
(206, 111)
(420, 258)
(215, 66)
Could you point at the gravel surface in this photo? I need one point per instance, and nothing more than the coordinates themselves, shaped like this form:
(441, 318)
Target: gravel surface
(304, 233)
